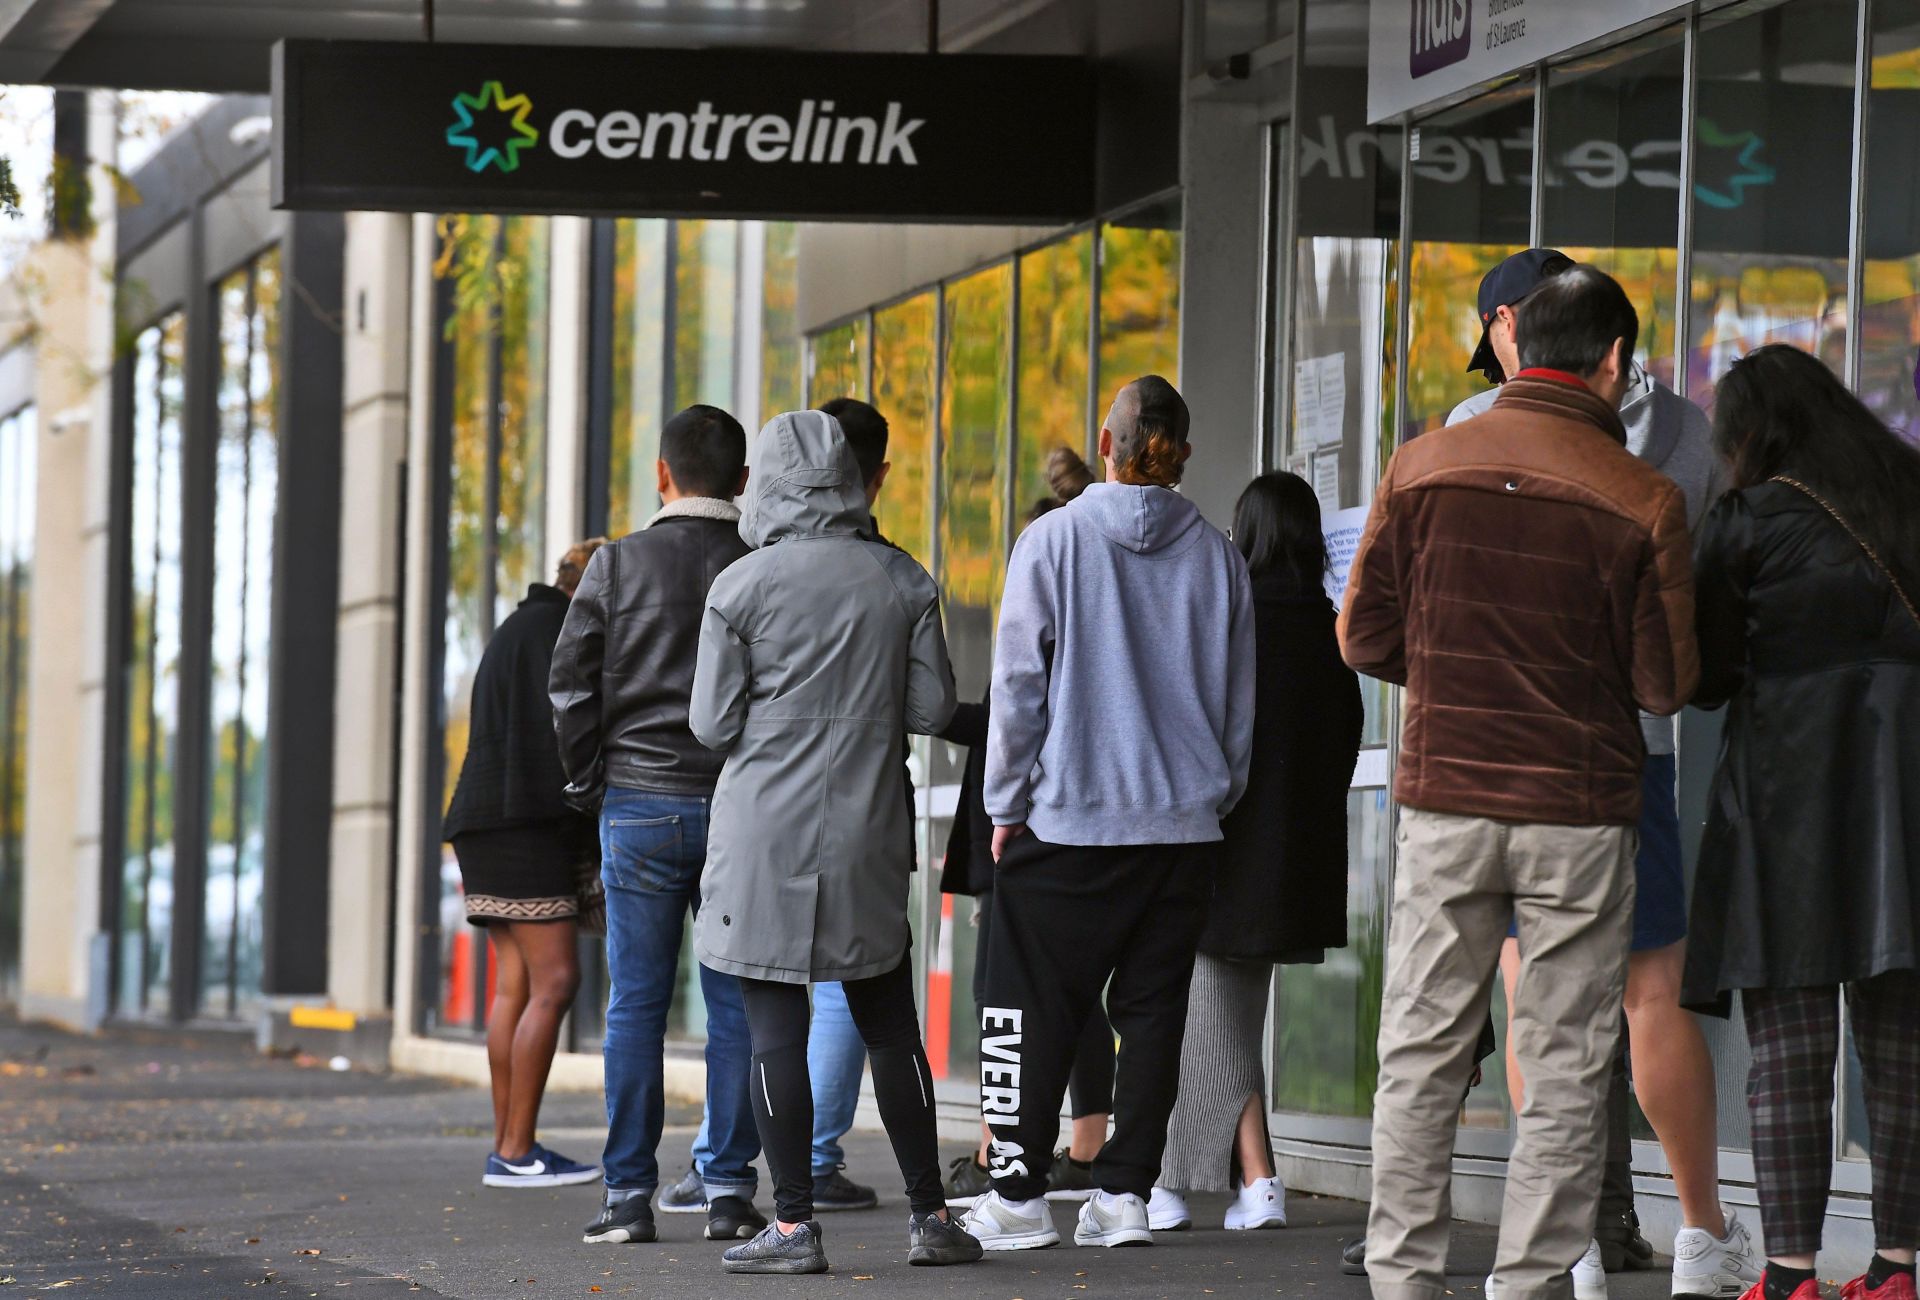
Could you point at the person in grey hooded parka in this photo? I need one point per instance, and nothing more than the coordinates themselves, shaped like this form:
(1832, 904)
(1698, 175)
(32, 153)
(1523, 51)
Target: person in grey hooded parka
(816, 652)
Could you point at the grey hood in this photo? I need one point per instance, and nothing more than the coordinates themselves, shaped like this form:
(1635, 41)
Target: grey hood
(805, 482)
(1142, 519)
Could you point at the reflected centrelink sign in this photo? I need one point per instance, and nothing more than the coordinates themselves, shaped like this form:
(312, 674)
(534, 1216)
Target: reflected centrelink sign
(737, 133)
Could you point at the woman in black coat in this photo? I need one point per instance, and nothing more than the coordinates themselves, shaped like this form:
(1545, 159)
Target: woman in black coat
(527, 869)
(1281, 891)
(1806, 580)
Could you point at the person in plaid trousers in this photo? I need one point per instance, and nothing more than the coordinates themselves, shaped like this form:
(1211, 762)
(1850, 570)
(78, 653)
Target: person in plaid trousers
(1809, 882)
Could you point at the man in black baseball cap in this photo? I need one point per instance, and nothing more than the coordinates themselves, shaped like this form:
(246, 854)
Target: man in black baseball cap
(1500, 290)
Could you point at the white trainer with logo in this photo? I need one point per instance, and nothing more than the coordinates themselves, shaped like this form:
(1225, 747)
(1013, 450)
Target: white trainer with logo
(1589, 1277)
(1704, 1265)
(1261, 1205)
(1113, 1219)
(999, 1224)
(1167, 1211)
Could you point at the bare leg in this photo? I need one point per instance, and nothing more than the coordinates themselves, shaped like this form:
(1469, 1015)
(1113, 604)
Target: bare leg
(1509, 976)
(1250, 1143)
(1673, 1078)
(553, 976)
(986, 1141)
(503, 1021)
(1089, 1135)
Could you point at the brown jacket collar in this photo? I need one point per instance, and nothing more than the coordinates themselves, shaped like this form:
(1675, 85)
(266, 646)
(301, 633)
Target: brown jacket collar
(1554, 392)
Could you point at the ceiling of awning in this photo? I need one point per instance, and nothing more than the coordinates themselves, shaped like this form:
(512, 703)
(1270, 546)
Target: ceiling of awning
(223, 45)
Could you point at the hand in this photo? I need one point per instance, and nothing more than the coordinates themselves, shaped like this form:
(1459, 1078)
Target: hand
(1003, 836)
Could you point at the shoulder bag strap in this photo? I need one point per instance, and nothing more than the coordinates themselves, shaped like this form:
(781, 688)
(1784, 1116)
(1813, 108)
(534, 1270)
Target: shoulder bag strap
(1859, 541)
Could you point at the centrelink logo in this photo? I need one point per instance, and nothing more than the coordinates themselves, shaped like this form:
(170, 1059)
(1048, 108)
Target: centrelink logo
(812, 134)
(1442, 34)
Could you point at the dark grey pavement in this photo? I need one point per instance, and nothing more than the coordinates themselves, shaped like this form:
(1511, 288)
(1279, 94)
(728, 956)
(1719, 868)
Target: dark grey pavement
(186, 1166)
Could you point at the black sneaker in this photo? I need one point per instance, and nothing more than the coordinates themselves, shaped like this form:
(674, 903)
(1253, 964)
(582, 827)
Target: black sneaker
(836, 1191)
(1353, 1258)
(967, 1181)
(628, 1220)
(688, 1196)
(933, 1241)
(799, 1251)
(1072, 1179)
(733, 1218)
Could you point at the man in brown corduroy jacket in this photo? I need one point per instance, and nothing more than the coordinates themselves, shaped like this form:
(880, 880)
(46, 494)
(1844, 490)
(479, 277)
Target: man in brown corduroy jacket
(1528, 580)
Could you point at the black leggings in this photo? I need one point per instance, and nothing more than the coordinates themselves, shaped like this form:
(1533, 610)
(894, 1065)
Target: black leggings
(884, 1013)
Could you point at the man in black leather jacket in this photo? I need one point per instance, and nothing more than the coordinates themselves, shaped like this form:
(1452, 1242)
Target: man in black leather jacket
(622, 674)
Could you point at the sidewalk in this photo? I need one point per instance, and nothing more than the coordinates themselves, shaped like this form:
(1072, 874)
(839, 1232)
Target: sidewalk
(186, 1166)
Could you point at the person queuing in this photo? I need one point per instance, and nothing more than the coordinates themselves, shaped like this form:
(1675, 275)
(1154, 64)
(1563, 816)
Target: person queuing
(526, 868)
(1529, 816)
(817, 652)
(969, 870)
(622, 675)
(1713, 1254)
(1280, 887)
(1809, 875)
(1122, 719)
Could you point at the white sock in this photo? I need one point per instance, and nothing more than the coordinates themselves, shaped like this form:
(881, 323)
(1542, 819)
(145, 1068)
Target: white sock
(1109, 1200)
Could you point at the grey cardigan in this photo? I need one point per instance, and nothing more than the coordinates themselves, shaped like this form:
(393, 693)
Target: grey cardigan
(817, 652)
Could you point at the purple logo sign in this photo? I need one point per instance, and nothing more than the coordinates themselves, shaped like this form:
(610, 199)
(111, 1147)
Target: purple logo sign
(1441, 34)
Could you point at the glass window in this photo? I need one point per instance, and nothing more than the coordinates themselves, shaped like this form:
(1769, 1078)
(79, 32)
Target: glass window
(1056, 304)
(496, 531)
(780, 375)
(152, 669)
(1774, 108)
(903, 387)
(1613, 145)
(638, 398)
(837, 363)
(1471, 208)
(1140, 297)
(246, 485)
(1889, 315)
(19, 450)
(706, 276)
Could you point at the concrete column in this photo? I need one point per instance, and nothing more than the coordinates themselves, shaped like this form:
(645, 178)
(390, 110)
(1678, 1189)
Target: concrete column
(63, 952)
(567, 389)
(374, 402)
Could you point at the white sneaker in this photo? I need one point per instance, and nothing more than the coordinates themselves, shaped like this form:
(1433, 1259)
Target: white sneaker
(999, 1224)
(1706, 1266)
(1107, 1219)
(1589, 1277)
(1263, 1205)
(1167, 1211)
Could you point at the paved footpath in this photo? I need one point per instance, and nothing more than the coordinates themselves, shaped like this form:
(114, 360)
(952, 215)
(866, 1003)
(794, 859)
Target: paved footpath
(187, 1167)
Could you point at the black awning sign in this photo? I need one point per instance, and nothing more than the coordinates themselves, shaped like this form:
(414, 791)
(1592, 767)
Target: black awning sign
(749, 133)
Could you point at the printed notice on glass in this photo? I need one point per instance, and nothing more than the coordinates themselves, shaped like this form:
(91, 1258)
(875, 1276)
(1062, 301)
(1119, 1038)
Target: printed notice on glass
(1342, 529)
(1320, 400)
(1326, 481)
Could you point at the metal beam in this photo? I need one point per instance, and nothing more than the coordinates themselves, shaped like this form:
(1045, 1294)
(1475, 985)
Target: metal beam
(36, 34)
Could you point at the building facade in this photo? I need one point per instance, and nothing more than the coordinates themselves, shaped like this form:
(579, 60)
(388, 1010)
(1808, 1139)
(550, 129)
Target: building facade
(318, 458)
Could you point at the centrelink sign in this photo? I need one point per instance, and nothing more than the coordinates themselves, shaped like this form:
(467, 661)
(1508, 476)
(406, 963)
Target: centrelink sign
(741, 133)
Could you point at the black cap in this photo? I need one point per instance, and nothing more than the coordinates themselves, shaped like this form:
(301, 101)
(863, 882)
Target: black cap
(1505, 285)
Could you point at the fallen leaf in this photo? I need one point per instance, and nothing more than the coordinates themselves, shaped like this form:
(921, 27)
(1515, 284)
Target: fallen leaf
(311, 1250)
(593, 1288)
(863, 1277)
(253, 1241)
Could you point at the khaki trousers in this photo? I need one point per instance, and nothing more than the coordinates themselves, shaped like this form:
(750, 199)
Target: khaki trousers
(1458, 882)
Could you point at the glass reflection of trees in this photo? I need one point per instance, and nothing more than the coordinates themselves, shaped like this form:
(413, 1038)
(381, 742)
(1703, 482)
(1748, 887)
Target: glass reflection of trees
(1140, 297)
(1051, 397)
(18, 482)
(246, 484)
(780, 376)
(638, 399)
(837, 363)
(151, 739)
(903, 387)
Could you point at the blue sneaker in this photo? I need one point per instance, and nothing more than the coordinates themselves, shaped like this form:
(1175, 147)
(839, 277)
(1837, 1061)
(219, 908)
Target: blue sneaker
(540, 1168)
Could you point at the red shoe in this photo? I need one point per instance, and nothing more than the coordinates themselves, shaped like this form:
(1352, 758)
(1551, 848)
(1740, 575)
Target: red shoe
(1897, 1287)
(1807, 1290)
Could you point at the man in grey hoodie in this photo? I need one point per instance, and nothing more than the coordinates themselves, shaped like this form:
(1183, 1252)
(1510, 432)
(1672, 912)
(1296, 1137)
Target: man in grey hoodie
(1672, 1070)
(1122, 722)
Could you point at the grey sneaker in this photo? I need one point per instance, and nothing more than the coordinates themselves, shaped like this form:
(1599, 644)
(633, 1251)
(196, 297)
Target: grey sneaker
(799, 1251)
(1113, 1219)
(1000, 1224)
(932, 1241)
(688, 1196)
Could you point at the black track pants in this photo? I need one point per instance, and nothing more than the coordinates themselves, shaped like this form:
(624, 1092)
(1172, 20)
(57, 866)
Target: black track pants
(1066, 920)
(884, 1013)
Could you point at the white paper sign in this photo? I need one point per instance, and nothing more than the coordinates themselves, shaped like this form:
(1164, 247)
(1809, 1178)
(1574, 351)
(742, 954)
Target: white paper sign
(1326, 480)
(1320, 399)
(1421, 50)
(1342, 529)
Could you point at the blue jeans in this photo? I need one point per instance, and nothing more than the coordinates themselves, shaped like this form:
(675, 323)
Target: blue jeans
(836, 1058)
(652, 849)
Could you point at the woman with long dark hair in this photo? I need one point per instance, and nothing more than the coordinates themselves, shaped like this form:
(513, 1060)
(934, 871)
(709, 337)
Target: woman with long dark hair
(1807, 576)
(1280, 889)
